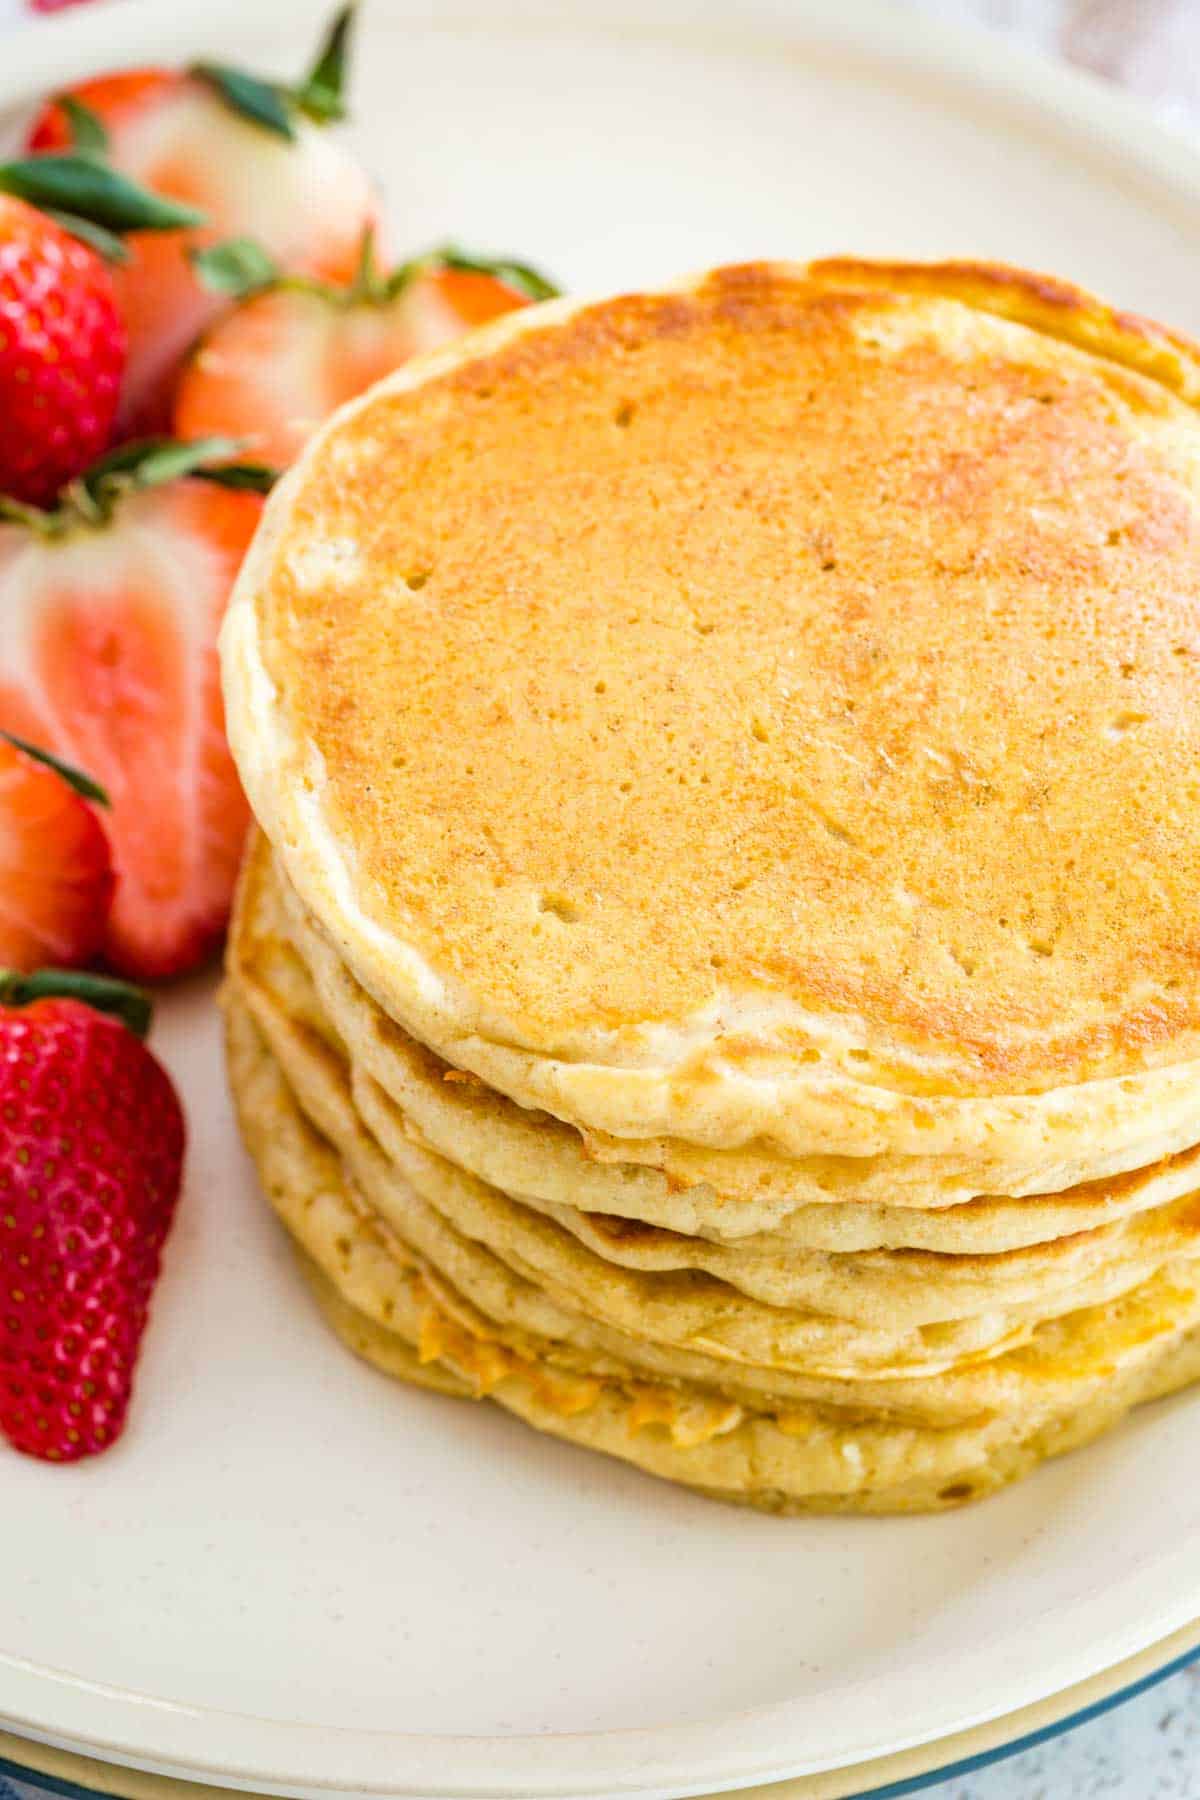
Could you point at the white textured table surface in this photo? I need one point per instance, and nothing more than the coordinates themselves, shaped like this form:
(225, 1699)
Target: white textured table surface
(1148, 1748)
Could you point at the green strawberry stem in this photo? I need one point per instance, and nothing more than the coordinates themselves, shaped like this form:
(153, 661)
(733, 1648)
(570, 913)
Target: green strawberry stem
(104, 993)
(75, 778)
(365, 283)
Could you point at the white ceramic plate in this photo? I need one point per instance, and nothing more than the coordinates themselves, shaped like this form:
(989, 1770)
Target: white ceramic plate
(293, 1575)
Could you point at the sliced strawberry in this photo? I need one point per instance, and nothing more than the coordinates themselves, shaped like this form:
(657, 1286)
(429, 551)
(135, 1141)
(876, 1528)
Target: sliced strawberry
(302, 194)
(107, 656)
(91, 1155)
(288, 356)
(56, 877)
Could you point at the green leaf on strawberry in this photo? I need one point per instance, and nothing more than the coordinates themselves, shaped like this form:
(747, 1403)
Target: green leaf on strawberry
(521, 276)
(85, 194)
(262, 102)
(107, 245)
(237, 267)
(271, 104)
(152, 462)
(81, 186)
(74, 778)
(89, 134)
(144, 463)
(321, 95)
(240, 267)
(103, 993)
(243, 477)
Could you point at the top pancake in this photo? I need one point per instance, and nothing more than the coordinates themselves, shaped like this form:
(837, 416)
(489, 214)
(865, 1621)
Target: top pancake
(760, 709)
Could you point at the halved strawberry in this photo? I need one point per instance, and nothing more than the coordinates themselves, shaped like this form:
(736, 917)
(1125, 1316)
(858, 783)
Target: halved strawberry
(56, 876)
(251, 155)
(108, 656)
(294, 350)
(91, 1156)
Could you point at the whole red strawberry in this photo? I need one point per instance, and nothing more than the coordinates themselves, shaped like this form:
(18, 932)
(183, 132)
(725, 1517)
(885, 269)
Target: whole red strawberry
(91, 1153)
(62, 353)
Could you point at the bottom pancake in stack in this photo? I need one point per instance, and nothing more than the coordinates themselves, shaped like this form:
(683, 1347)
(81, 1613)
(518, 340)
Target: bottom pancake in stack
(754, 1367)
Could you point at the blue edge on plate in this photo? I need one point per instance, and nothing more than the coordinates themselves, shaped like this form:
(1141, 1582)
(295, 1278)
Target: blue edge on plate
(74, 1790)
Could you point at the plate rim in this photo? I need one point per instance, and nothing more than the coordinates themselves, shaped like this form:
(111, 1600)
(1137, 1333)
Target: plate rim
(647, 1763)
(71, 1776)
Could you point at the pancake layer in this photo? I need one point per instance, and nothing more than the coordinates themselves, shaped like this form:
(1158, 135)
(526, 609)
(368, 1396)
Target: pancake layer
(762, 1203)
(404, 1314)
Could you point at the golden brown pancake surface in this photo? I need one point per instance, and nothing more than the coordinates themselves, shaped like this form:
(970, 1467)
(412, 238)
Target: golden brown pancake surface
(811, 654)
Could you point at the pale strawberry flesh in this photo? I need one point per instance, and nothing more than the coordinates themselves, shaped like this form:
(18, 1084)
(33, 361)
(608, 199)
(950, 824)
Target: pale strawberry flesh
(108, 657)
(283, 361)
(91, 1152)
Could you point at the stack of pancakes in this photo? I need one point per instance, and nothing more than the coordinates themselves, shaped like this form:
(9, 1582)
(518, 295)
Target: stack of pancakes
(719, 972)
